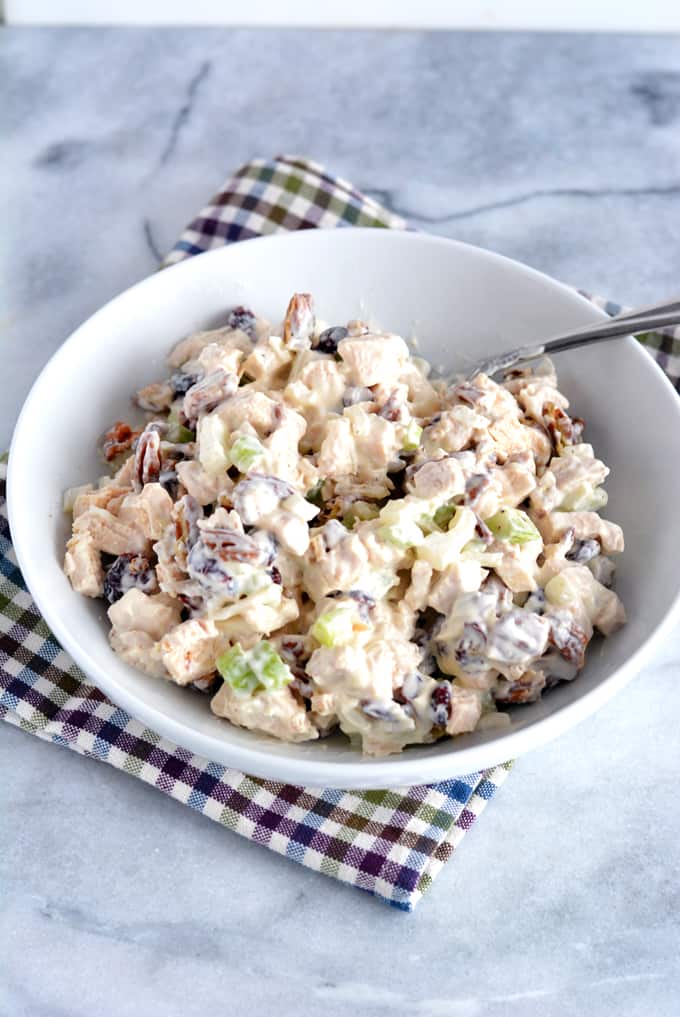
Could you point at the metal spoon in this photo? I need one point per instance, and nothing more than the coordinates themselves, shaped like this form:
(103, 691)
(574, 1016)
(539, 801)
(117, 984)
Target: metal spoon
(641, 319)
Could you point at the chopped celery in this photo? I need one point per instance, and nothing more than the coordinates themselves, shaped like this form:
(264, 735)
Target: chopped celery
(444, 515)
(268, 666)
(315, 494)
(476, 550)
(71, 494)
(245, 452)
(412, 436)
(359, 512)
(560, 592)
(513, 525)
(585, 498)
(404, 534)
(337, 626)
(409, 510)
(212, 438)
(251, 671)
(177, 432)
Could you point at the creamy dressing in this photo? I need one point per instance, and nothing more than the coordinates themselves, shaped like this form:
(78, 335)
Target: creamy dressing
(410, 555)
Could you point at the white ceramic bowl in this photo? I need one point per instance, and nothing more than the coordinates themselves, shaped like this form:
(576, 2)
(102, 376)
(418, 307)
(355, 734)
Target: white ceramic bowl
(461, 302)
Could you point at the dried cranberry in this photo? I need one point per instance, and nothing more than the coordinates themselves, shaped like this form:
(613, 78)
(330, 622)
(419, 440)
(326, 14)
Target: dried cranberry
(275, 576)
(180, 383)
(441, 703)
(583, 551)
(470, 649)
(169, 481)
(128, 572)
(378, 710)
(536, 601)
(243, 318)
(329, 339)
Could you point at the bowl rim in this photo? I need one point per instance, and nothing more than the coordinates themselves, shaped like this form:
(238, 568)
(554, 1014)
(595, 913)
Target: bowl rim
(362, 772)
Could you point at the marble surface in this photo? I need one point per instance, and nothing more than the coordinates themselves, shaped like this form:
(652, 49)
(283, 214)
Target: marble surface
(559, 150)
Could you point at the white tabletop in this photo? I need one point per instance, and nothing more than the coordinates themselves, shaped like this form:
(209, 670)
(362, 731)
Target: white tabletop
(561, 151)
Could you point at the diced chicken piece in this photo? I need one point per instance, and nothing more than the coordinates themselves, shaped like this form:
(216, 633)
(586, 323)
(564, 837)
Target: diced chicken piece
(125, 476)
(266, 618)
(269, 363)
(496, 401)
(277, 713)
(338, 454)
(337, 567)
(283, 458)
(108, 497)
(424, 398)
(154, 613)
(453, 430)
(83, 566)
(416, 596)
(215, 357)
(534, 397)
(555, 558)
(189, 651)
(438, 480)
(149, 511)
(359, 443)
(155, 397)
(576, 588)
(515, 480)
(461, 577)
(509, 435)
(258, 496)
(138, 650)
(265, 415)
(315, 392)
(206, 489)
(110, 534)
(323, 713)
(518, 568)
(586, 526)
(466, 709)
(374, 358)
(564, 475)
(190, 348)
(290, 530)
(371, 671)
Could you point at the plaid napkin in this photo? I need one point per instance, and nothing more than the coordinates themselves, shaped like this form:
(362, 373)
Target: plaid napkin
(389, 843)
